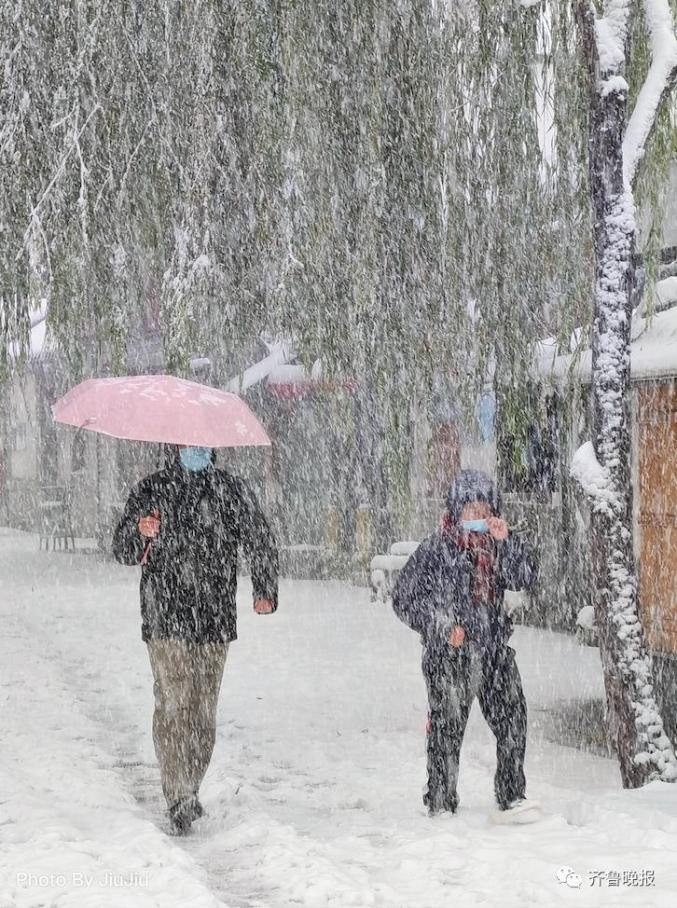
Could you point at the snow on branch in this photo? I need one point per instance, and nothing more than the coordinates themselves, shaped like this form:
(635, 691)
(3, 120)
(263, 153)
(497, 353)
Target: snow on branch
(593, 478)
(611, 32)
(659, 81)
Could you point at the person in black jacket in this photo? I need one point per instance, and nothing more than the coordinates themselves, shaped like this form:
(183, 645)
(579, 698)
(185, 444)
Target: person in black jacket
(184, 525)
(451, 591)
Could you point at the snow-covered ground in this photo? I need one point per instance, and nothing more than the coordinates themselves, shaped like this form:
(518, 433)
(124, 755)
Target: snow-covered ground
(314, 793)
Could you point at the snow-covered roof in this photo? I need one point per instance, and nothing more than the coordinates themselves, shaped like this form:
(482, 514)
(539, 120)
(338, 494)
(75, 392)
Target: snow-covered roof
(278, 369)
(653, 352)
(295, 374)
(38, 341)
(289, 374)
(278, 355)
(38, 337)
(666, 291)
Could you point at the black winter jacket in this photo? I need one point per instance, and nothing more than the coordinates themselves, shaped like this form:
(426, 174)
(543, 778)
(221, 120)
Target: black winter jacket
(189, 581)
(433, 592)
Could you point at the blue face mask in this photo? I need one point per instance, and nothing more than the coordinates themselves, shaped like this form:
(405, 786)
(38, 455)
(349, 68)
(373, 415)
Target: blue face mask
(475, 526)
(195, 459)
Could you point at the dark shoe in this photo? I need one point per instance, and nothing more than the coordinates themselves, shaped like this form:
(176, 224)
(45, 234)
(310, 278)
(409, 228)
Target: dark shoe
(196, 809)
(180, 817)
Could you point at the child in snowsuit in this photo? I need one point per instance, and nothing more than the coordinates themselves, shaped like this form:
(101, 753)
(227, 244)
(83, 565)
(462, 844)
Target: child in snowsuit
(451, 591)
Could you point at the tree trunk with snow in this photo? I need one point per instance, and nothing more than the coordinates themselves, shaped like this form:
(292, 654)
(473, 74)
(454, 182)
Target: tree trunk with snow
(616, 144)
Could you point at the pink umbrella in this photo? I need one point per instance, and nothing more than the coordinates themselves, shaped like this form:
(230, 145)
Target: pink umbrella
(161, 408)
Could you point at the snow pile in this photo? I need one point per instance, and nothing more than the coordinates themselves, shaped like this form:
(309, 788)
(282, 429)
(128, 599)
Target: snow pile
(313, 797)
(388, 563)
(586, 618)
(385, 568)
(614, 83)
(515, 601)
(611, 31)
(593, 478)
(383, 574)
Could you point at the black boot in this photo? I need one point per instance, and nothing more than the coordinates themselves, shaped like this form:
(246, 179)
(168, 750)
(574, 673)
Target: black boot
(180, 817)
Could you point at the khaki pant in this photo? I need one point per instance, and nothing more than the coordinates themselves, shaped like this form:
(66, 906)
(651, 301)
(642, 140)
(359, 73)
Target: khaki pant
(187, 681)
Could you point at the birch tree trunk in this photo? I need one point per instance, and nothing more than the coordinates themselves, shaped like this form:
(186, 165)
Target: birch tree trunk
(604, 467)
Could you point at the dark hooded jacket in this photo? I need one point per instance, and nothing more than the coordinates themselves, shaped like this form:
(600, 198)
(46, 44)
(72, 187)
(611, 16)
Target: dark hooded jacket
(433, 592)
(189, 581)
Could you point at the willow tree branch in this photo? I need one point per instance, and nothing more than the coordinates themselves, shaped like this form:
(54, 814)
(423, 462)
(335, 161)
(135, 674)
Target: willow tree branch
(52, 182)
(657, 86)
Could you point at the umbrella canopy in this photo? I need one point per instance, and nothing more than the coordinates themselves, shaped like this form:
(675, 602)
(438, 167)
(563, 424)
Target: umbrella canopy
(161, 408)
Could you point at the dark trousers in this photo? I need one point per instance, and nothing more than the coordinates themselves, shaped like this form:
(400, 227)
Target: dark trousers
(453, 678)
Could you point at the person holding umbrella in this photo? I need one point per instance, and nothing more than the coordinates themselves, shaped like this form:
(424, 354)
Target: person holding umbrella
(184, 524)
